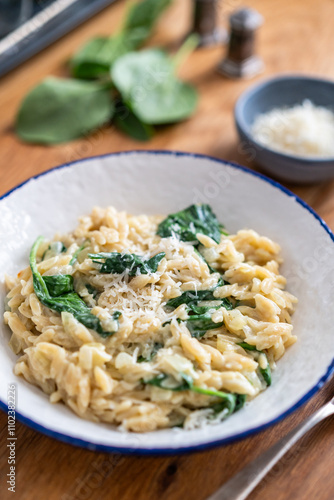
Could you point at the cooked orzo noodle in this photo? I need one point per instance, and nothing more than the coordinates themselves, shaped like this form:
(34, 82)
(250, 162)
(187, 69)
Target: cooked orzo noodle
(149, 322)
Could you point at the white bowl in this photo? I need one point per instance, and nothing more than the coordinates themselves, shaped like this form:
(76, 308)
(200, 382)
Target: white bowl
(164, 182)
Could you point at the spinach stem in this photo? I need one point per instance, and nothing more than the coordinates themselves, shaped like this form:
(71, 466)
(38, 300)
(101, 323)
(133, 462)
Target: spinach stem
(33, 265)
(184, 51)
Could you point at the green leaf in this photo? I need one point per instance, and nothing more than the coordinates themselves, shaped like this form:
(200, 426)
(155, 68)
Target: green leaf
(193, 298)
(76, 254)
(155, 349)
(204, 260)
(118, 263)
(169, 383)
(96, 57)
(265, 372)
(199, 324)
(190, 221)
(229, 401)
(142, 17)
(127, 122)
(147, 83)
(68, 301)
(199, 312)
(240, 400)
(59, 284)
(59, 110)
(188, 46)
(91, 290)
(55, 248)
(248, 347)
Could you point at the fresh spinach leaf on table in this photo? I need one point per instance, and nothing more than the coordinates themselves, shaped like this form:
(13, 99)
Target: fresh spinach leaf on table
(126, 121)
(59, 110)
(118, 263)
(96, 57)
(147, 82)
(58, 294)
(141, 18)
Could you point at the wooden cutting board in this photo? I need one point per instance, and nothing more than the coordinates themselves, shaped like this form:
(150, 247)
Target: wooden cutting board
(298, 36)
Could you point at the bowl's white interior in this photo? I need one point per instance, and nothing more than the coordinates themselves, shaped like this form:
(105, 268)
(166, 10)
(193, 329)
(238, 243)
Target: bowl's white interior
(164, 183)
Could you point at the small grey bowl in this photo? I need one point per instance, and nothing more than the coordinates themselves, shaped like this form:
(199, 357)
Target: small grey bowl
(277, 93)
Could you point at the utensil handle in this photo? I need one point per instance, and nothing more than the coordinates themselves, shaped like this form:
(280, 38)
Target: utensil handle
(243, 483)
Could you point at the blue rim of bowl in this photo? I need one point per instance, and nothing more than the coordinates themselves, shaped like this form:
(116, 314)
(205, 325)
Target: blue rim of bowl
(300, 161)
(199, 447)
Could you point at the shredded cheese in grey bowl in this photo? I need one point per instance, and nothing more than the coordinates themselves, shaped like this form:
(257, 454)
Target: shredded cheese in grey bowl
(301, 130)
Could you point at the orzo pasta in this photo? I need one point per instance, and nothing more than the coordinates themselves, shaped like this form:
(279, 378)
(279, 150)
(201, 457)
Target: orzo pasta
(149, 322)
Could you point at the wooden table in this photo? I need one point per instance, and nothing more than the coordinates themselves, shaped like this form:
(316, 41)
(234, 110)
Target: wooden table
(297, 37)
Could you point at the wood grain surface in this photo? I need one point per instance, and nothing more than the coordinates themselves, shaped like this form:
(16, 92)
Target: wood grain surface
(298, 36)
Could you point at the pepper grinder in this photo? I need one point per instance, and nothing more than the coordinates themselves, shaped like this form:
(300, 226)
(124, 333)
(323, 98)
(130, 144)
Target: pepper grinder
(241, 60)
(205, 23)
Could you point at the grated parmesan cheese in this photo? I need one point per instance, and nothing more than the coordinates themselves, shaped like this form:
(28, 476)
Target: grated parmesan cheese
(301, 130)
(148, 301)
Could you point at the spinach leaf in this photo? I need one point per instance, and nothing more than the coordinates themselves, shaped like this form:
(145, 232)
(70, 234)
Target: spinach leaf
(59, 284)
(190, 297)
(126, 121)
(91, 290)
(206, 262)
(76, 254)
(239, 403)
(247, 347)
(141, 18)
(265, 372)
(167, 382)
(96, 57)
(230, 401)
(190, 221)
(55, 248)
(156, 347)
(199, 321)
(147, 83)
(118, 263)
(68, 300)
(199, 316)
(199, 324)
(241, 400)
(59, 110)
(193, 298)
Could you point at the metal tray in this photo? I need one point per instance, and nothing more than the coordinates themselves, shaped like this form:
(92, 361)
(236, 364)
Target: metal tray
(43, 28)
